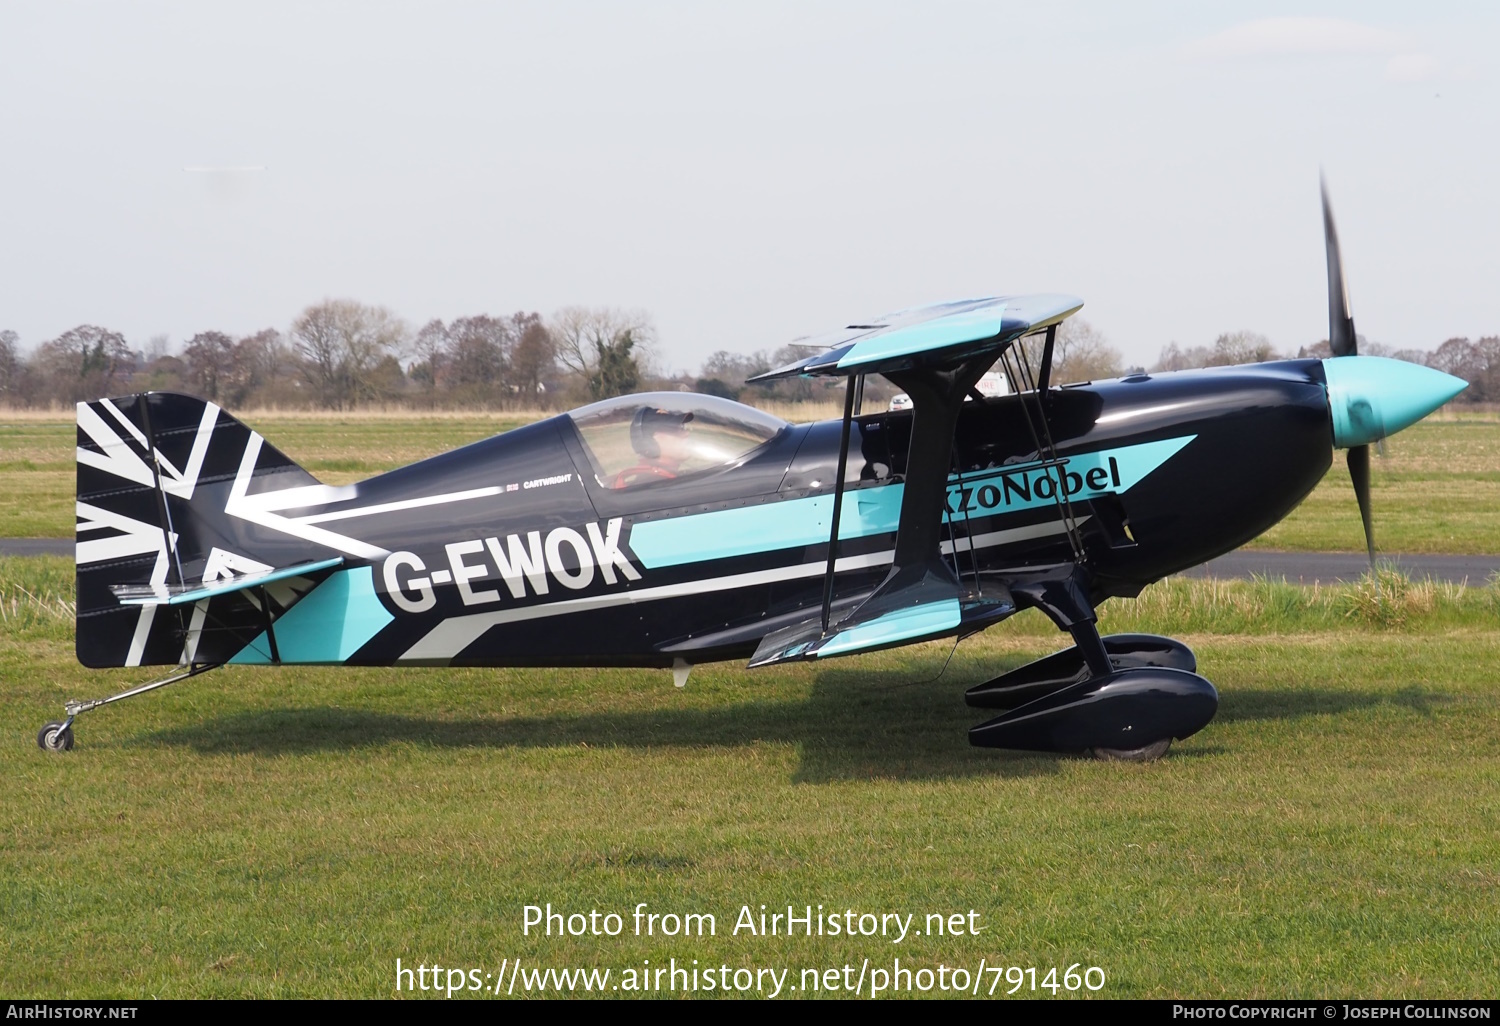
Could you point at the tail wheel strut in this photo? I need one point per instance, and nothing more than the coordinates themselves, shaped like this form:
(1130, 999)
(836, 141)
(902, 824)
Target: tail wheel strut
(58, 736)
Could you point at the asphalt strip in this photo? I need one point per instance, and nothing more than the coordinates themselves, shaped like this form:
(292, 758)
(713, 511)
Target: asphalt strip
(1298, 567)
(36, 546)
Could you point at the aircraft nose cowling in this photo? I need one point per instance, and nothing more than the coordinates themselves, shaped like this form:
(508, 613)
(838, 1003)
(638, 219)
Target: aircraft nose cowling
(1372, 397)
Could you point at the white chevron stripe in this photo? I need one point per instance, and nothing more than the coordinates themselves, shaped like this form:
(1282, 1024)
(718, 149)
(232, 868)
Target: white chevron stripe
(183, 482)
(452, 636)
(118, 458)
(239, 506)
(139, 537)
(390, 507)
(148, 613)
(114, 410)
(194, 634)
(300, 497)
(457, 633)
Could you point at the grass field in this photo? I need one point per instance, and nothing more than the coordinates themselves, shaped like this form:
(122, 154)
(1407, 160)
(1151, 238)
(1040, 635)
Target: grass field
(1335, 831)
(1437, 489)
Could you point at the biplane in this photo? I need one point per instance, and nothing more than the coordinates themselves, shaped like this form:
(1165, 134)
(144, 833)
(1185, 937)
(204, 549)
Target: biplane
(669, 529)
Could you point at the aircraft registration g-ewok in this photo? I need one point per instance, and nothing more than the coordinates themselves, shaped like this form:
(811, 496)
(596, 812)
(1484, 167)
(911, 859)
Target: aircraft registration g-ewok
(669, 529)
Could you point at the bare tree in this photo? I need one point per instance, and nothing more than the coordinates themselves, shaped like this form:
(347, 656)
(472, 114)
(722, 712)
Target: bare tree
(210, 363)
(431, 350)
(603, 347)
(1487, 352)
(341, 344)
(1084, 354)
(1230, 348)
(87, 362)
(1172, 358)
(157, 346)
(725, 373)
(1456, 356)
(734, 368)
(261, 363)
(1235, 347)
(533, 356)
(10, 366)
(1080, 353)
(166, 373)
(1478, 363)
(478, 351)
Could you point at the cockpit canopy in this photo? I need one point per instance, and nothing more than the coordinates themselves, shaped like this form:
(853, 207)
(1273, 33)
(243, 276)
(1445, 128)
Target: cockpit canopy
(639, 440)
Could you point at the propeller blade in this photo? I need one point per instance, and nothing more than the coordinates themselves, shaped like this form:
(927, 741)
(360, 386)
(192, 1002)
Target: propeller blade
(1341, 338)
(1359, 473)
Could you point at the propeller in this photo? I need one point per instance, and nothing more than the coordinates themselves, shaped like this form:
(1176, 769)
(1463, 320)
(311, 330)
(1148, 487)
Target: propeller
(1343, 342)
(1341, 337)
(1359, 473)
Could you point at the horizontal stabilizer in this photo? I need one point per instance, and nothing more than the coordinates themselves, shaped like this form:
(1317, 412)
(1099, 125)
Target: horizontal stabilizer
(929, 336)
(183, 594)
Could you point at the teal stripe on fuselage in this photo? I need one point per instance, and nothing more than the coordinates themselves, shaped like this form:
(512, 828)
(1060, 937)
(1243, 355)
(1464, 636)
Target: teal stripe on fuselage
(723, 534)
(328, 625)
(769, 526)
(1086, 475)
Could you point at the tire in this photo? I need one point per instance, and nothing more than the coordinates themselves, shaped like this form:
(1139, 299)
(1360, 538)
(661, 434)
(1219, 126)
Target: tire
(1148, 753)
(54, 737)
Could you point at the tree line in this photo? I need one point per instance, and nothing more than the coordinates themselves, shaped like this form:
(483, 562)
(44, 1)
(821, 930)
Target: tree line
(343, 355)
(1478, 363)
(1081, 353)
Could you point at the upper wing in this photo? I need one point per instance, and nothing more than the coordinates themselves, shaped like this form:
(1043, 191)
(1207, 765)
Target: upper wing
(936, 354)
(929, 335)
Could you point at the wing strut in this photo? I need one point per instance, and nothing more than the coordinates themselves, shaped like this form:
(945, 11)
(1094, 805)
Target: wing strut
(1021, 383)
(936, 355)
(1044, 376)
(838, 494)
(921, 597)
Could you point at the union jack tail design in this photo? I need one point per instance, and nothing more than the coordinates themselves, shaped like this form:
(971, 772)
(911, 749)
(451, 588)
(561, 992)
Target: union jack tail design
(185, 553)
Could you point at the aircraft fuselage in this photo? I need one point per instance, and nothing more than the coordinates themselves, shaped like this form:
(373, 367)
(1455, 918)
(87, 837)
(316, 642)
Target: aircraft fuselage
(1160, 473)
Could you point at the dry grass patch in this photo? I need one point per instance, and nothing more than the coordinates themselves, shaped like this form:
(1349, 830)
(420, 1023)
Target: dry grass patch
(1389, 600)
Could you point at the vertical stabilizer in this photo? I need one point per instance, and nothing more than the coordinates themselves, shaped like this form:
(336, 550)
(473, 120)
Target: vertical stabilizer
(171, 493)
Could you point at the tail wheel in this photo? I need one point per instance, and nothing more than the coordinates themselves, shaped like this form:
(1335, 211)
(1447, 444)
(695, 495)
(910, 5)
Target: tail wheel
(55, 737)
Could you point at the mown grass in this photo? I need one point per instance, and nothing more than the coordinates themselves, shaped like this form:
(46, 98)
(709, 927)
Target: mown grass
(1436, 490)
(1335, 831)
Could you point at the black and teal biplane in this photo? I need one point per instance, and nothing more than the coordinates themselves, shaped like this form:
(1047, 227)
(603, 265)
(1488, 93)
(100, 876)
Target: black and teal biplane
(669, 529)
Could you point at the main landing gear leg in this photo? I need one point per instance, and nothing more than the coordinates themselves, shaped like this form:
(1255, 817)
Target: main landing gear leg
(57, 736)
(1124, 697)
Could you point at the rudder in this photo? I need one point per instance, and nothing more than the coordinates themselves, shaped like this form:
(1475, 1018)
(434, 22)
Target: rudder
(162, 478)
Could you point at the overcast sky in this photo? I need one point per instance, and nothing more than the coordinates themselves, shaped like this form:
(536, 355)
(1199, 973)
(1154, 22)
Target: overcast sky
(747, 173)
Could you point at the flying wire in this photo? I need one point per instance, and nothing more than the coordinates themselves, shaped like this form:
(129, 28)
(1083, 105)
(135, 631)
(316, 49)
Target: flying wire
(927, 680)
